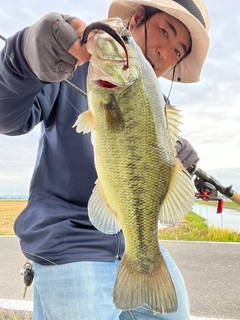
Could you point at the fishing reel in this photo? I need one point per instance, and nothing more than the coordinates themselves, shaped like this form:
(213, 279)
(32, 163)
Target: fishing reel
(206, 190)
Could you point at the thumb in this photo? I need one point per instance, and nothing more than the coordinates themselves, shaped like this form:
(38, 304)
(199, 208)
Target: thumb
(77, 50)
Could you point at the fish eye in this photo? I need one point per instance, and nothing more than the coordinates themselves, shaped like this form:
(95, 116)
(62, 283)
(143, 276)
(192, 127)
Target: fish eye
(126, 38)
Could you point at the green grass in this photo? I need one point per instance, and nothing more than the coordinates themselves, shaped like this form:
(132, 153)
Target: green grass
(195, 228)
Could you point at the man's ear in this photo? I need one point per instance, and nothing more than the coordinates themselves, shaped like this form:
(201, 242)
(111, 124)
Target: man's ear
(138, 15)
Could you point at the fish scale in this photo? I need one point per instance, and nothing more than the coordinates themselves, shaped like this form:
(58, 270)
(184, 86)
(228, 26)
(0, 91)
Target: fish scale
(139, 178)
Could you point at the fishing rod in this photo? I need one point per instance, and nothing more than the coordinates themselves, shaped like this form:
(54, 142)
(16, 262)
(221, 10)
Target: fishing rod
(226, 191)
(67, 82)
(3, 38)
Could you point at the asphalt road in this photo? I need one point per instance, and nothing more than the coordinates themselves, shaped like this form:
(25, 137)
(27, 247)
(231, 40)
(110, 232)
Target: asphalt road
(211, 272)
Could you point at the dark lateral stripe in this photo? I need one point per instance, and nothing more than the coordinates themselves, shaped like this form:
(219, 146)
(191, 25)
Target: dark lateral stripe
(193, 9)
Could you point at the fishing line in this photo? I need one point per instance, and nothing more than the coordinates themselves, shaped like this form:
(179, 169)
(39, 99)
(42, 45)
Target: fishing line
(170, 90)
(67, 97)
(145, 32)
(94, 33)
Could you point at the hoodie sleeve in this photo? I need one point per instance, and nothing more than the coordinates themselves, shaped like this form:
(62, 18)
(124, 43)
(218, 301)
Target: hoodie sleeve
(21, 106)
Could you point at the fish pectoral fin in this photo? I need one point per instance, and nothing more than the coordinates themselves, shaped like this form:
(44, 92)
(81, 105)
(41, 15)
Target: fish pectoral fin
(100, 214)
(133, 289)
(179, 198)
(114, 116)
(84, 122)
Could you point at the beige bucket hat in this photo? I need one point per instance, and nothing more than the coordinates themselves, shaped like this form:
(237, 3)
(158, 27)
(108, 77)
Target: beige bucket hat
(193, 14)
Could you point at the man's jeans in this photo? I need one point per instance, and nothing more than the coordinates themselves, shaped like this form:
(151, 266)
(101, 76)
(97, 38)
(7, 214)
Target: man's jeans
(84, 291)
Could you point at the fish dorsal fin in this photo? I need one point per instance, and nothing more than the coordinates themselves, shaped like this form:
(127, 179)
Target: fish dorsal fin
(179, 198)
(84, 122)
(172, 117)
(100, 214)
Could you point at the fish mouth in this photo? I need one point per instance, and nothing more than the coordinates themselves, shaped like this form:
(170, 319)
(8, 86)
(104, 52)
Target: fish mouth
(105, 84)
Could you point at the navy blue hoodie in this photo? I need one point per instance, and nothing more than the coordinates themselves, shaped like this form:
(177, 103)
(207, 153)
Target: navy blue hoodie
(54, 227)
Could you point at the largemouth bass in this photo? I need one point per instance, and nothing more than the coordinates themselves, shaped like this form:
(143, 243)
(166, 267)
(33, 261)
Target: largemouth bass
(140, 181)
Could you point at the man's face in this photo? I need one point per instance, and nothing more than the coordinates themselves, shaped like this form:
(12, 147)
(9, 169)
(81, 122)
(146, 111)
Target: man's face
(167, 40)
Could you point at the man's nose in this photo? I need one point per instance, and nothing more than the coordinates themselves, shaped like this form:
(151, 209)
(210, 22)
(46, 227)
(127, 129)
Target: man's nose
(162, 53)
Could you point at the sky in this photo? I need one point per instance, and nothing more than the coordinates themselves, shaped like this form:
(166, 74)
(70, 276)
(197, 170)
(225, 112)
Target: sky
(210, 109)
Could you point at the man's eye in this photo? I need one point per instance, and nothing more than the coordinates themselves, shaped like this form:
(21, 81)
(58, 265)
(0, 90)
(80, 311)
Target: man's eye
(178, 54)
(164, 32)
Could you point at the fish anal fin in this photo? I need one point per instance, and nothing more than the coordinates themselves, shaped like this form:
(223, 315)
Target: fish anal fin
(100, 214)
(179, 198)
(134, 289)
(84, 122)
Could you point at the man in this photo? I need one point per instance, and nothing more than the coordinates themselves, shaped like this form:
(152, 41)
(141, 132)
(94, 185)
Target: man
(75, 265)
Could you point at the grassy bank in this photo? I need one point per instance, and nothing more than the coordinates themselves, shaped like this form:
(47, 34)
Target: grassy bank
(193, 227)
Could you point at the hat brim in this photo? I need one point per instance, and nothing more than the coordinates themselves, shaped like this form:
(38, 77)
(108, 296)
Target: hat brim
(189, 68)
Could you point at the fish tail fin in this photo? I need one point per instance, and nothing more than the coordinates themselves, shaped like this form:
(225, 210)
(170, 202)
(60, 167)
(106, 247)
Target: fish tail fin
(134, 289)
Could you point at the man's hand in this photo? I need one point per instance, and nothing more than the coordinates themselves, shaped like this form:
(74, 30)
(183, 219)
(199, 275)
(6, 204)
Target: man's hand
(186, 153)
(52, 47)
